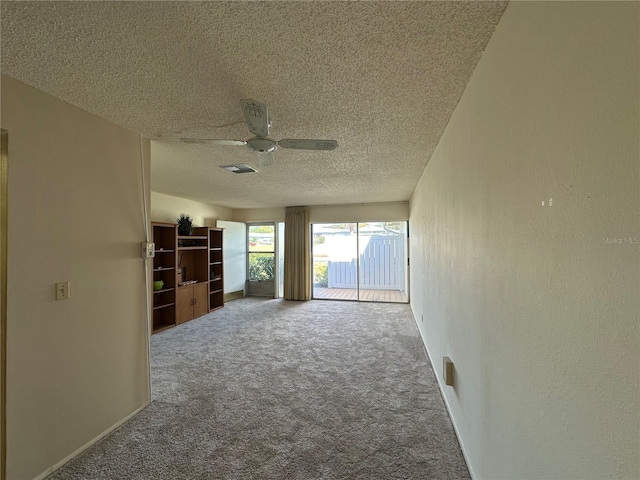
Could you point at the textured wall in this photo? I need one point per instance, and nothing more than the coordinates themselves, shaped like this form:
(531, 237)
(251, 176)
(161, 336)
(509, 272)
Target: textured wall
(77, 367)
(524, 247)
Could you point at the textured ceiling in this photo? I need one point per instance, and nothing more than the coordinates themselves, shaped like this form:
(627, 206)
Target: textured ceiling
(381, 78)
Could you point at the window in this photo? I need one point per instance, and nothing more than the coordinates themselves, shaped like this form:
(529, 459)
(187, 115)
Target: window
(261, 252)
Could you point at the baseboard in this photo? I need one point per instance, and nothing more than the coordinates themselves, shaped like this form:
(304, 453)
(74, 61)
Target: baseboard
(446, 402)
(227, 297)
(68, 458)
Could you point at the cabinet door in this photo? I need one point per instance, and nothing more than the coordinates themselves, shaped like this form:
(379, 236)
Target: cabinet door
(200, 293)
(185, 304)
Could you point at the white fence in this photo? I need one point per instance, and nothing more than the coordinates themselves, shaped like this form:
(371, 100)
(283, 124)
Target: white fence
(381, 266)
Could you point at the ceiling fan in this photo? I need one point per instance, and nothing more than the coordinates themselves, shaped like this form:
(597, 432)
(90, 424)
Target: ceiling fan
(256, 117)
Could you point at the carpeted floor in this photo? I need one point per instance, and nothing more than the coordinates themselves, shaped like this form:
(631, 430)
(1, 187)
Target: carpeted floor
(269, 389)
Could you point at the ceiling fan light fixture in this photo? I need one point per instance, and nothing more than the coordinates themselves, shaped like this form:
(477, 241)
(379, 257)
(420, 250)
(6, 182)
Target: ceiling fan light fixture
(266, 160)
(262, 144)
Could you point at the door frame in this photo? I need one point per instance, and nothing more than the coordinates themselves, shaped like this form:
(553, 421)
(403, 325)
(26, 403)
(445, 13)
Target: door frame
(4, 184)
(267, 288)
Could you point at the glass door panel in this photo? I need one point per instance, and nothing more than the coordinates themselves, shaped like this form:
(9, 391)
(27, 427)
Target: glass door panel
(382, 260)
(335, 261)
(261, 260)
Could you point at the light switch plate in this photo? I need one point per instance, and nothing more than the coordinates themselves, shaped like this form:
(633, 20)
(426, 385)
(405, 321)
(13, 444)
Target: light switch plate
(148, 250)
(62, 291)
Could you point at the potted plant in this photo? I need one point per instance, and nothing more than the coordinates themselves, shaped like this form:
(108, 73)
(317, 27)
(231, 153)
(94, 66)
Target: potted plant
(185, 224)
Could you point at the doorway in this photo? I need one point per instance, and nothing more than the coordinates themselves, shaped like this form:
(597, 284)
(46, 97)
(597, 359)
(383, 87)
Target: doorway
(4, 183)
(360, 261)
(261, 260)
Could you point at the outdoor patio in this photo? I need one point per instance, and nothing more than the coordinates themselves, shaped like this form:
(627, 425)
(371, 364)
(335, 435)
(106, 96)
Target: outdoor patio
(395, 296)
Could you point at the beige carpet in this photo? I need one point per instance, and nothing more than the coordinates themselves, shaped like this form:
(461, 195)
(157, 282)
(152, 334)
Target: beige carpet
(270, 389)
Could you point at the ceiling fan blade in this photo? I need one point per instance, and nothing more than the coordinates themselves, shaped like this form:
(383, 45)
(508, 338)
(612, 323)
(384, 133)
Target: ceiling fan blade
(256, 116)
(306, 144)
(266, 159)
(213, 141)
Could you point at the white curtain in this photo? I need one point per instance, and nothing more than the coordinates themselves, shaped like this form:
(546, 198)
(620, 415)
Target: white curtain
(297, 281)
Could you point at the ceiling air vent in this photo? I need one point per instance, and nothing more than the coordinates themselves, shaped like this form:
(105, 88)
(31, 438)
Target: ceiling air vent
(239, 168)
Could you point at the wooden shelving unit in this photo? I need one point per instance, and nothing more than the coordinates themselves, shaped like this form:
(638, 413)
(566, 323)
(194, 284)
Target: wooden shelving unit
(192, 267)
(216, 269)
(164, 268)
(192, 271)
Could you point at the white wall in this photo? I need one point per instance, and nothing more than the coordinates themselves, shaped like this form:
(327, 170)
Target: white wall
(166, 208)
(234, 250)
(372, 212)
(75, 368)
(530, 297)
(257, 215)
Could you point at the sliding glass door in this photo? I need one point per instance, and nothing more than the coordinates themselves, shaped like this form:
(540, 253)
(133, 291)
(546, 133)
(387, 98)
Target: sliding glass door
(335, 254)
(360, 261)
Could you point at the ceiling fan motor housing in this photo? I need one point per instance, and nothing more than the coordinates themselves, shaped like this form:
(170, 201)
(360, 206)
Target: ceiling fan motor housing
(262, 144)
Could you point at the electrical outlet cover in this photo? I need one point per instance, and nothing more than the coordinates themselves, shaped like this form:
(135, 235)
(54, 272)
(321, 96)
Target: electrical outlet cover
(447, 371)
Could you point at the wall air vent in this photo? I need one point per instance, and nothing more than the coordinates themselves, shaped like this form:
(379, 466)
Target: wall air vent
(239, 168)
